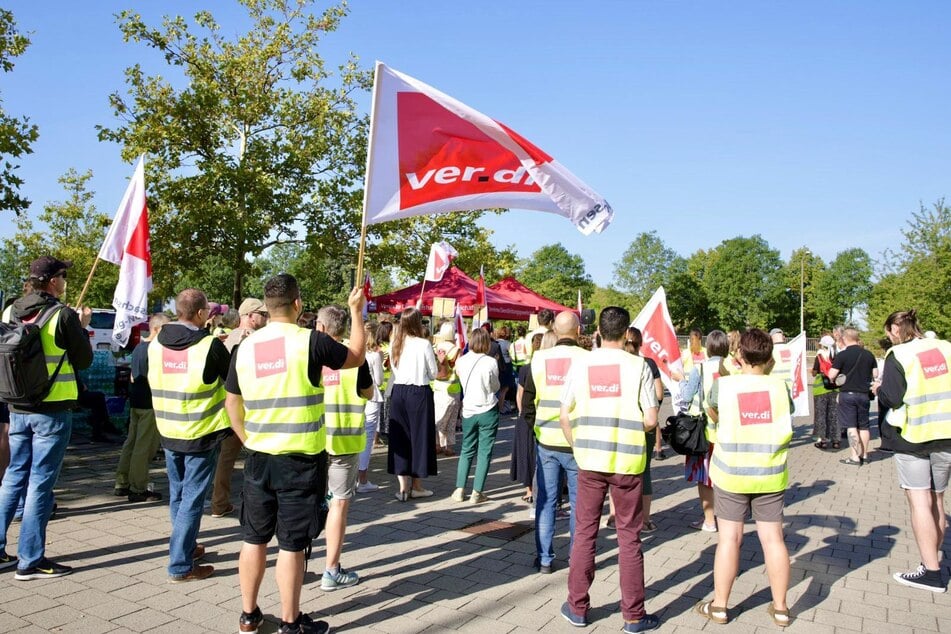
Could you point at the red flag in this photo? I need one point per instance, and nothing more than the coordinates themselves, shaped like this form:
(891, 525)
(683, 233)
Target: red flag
(127, 244)
(431, 154)
(367, 287)
(460, 329)
(660, 339)
(441, 255)
(480, 290)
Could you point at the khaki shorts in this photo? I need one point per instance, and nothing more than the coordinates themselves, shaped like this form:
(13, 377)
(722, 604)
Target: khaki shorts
(735, 507)
(342, 475)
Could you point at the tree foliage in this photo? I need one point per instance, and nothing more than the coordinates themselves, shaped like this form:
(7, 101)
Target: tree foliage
(17, 134)
(845, 286)
(803, 273)
(646, 264)
(743, 281)
(557, 274)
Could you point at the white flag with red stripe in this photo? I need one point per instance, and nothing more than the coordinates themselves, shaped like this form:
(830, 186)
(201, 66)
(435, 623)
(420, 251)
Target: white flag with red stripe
(127, 244)
(660, 340)
(460, 329)
(441, 256)
(799, 372)
(431, 154)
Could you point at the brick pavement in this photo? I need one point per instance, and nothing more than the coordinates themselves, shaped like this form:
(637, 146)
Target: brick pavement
(847, 532)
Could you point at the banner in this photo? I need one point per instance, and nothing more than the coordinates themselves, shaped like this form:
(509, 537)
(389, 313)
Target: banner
(660, 340)
(127, 244)
(430, 154)
(799, 374)
(441, 256)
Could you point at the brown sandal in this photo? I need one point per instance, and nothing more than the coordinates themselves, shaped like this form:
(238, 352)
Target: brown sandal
(707, 610)
(780, 617)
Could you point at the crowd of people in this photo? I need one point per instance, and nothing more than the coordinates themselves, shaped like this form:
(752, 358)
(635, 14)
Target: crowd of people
(307, 396)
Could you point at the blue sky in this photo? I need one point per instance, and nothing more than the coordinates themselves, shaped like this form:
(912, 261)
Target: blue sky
(811, 123)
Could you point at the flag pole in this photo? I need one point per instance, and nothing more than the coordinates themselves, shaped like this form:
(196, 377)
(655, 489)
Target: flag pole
(366, 178)
(82, 294)
(422, 288)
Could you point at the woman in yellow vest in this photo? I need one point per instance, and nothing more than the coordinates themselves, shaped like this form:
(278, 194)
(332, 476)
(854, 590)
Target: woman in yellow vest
(752, 413)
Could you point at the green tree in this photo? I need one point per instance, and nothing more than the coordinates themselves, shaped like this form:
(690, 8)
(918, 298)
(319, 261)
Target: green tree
(261, 144)
(743, 281)
(556, 274)
(646, 264)
(844, 286)
(804, 270)
(17, 134)
(602, 296)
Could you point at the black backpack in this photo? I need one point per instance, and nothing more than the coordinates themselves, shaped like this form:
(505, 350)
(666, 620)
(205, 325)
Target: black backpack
(24, 377)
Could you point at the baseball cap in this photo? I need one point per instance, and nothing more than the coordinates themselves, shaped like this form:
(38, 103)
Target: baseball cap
(251, 305)
(827, 341)
(776, 331)
(214, 308)
(47, 267)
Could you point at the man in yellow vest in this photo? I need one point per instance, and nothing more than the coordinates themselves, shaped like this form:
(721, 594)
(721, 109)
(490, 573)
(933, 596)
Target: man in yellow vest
(345, 396)
(607, 405)
(541, 406)
(39, 433)
(187, 368)
(753, 416)
(276, 404)
(916, 388)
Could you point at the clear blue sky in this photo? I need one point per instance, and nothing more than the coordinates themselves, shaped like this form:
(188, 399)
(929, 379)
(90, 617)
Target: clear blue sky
(811, 123)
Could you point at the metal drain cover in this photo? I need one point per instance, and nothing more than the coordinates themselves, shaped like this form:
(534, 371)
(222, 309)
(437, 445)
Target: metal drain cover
(499, 530)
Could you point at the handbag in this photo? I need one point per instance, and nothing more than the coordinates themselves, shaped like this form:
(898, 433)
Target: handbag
(686, 433)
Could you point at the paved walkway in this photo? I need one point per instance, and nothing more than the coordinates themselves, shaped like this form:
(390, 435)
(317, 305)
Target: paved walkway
(847, 532)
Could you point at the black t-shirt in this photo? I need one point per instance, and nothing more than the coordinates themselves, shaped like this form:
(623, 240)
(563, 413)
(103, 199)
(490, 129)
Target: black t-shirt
(857, 364)
(140, 394)
(324, 351)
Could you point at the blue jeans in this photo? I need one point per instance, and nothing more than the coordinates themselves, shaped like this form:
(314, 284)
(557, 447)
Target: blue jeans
(550, 465)
(37, 446)
(189, 478)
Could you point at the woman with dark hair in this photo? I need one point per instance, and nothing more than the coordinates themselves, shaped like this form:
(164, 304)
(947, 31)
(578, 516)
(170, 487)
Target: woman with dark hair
(411, 453)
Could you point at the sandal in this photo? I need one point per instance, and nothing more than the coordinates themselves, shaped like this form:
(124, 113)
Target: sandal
(707, 610)
(836, 445)
(527, 498)
(820, 445)
(780, 617)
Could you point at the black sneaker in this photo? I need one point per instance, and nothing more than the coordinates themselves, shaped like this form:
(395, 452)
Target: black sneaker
(249, 623)
(922, 578)
(304, 625)
(45, 569)
(145, 496)
(7, 561)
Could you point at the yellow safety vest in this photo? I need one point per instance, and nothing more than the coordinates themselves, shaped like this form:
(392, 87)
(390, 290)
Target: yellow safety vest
(753, 434)
(686, 358)
(549, 369)
(284, 411)
(450, 385)
(344, 412)
(64, 386)
(521, 351)
(710, 373)
(609, 431)
(186, 408)
(783, 363)
(926, 415)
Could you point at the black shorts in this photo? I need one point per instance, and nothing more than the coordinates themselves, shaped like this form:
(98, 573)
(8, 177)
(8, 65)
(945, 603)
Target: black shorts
(852, 410)
(283, 495)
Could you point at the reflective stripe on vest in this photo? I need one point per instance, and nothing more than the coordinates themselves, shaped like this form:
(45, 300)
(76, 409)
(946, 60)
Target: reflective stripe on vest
(927, 411)
(753, 433)
(186, 408)
(609, 433)
(284, 412)
(549, 369)
(343, 412)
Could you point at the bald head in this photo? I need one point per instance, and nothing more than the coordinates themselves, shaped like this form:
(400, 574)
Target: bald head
(566, 325)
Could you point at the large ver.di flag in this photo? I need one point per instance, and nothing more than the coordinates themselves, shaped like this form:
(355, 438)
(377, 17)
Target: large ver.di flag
(127, 244)
(660, 340)
(431, 154)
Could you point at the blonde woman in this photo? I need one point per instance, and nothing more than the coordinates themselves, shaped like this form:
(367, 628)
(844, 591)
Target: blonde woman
(374, 408)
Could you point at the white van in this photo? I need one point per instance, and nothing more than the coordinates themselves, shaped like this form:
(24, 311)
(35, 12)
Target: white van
(100, 331)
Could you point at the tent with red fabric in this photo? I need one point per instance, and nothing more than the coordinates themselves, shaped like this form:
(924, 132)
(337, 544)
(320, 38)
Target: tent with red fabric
(517, 292)
(459, 286)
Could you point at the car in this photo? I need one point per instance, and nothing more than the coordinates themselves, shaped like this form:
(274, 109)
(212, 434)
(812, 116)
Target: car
(100, 332)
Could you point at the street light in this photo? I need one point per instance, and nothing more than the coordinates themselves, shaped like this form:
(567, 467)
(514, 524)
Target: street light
(802, 287)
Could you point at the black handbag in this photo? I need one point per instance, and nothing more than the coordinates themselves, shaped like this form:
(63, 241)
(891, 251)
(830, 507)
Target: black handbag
(686, 433)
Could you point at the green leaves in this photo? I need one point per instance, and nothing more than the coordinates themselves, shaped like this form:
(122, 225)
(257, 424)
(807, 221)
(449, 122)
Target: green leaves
(17, 134)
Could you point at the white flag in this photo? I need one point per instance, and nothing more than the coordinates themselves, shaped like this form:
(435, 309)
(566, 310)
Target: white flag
(127, 244)
(799, 375)
(441, 256)
(430, 154)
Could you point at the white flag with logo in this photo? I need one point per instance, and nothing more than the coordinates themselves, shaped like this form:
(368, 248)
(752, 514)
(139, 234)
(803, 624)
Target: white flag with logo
(441, 256)
(799, 375)
(660, 340)
(431, 154)
(127, 244)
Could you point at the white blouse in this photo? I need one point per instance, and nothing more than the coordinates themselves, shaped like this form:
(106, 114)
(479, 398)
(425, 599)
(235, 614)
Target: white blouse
(417, 363)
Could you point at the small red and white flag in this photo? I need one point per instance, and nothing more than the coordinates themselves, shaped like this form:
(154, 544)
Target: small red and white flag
(431, 154)
(799, 383)
(441, 256)
(660, 339)
(127, 244)
(460, 329)
(480, 289)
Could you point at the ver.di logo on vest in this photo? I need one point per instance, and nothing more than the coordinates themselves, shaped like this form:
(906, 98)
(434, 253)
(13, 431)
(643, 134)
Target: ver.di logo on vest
(604, 381)
(932, 363)
(328, 377)
(556, 370)
(269, 358)
(755, 408)
(174, 361)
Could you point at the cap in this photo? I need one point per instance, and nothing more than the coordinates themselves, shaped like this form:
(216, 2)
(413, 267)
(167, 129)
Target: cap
(251, 305)
(827, 341)
(776, 331)
(47, 267)
(215, 308)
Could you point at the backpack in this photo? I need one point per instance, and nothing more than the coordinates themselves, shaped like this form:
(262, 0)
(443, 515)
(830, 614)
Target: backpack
(24, 377)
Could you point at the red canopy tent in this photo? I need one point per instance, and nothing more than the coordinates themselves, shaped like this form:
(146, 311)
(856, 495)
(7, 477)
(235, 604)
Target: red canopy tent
(459, 286)
(517, 292)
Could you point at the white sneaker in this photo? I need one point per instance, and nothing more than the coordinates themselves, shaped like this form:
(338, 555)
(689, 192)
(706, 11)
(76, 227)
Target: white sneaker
(367, 487)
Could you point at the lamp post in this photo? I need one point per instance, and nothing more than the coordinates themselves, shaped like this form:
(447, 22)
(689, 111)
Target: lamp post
(802, 287)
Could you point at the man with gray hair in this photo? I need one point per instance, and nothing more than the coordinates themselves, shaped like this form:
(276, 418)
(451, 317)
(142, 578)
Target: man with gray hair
(345, 396)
